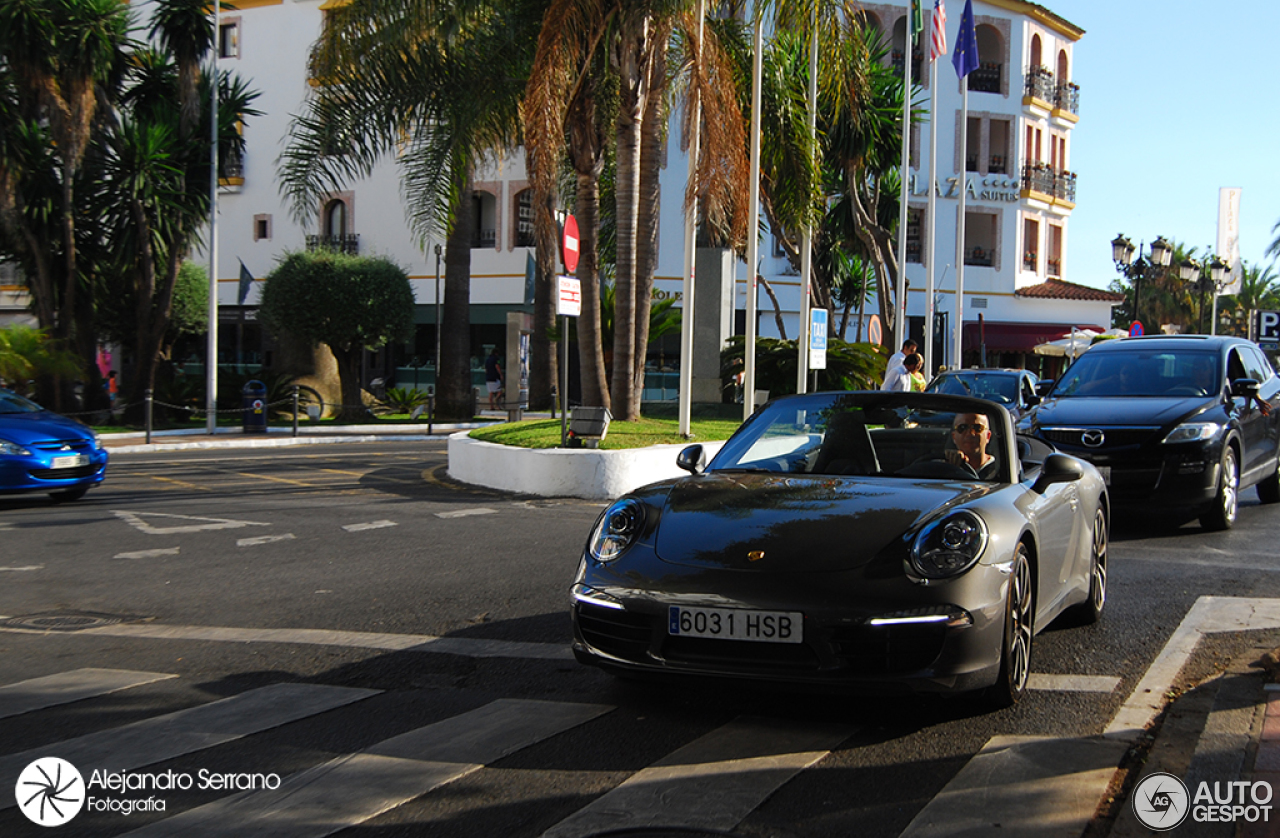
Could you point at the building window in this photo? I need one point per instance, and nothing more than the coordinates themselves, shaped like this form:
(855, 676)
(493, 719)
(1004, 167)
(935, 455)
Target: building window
(980, 244)
(1031, 245)
(524, 219)
(262, 227)
(989, 77)
(1053, 263)
(484, 232)
(987, 144)
(337, 219)
(229, 38)
(915, 227)
(998, 146)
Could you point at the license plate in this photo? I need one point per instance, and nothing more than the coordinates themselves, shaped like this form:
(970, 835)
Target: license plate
(736, 624)
(70, 462)
(1105, 471)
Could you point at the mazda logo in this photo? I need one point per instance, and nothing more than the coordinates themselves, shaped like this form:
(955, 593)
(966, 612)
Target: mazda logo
(1093, 438)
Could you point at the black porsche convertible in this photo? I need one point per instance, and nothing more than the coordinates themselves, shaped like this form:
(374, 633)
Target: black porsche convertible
(871, 540)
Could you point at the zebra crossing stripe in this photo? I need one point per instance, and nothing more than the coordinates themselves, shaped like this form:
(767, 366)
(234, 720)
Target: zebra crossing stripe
(712, 783)
(352, 789)
(186, 731)
(66, 687)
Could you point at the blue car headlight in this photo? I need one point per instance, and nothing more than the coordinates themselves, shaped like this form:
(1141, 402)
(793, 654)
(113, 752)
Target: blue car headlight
(1193, 432)
(616, 530)
(949, 546)
(13, 449)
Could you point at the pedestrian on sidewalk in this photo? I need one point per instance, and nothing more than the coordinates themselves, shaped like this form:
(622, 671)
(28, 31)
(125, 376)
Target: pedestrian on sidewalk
(493, 377)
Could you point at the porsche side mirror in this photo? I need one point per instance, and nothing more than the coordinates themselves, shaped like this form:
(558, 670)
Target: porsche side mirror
(1058, 468)
(692, 459)
(1244, 388)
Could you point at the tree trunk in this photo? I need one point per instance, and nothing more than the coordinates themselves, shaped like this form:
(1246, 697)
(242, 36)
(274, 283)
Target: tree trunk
(544, 352)
(633, 52)
(649, 212)
(777, 309)
(348, 359)
(453, 389)
(586, 148)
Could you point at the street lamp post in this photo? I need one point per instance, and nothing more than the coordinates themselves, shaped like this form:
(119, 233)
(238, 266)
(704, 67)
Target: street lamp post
(1205, 274)
(1136, 270)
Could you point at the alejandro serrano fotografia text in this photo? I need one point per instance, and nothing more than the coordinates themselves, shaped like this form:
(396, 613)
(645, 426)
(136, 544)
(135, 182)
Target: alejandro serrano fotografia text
(202, 780)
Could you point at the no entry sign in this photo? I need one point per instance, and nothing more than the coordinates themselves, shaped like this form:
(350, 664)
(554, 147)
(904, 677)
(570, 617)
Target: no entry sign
(570, 244)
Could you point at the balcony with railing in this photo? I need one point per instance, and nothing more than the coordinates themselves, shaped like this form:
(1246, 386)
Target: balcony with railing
(1041, 85)
(231, 172)
(1067, 98)
(482, 239)
(1039, 180)
(979, 256)
(917, 60)
(986, 79)
(1054, 266)
(1030, 261)
(343, 243)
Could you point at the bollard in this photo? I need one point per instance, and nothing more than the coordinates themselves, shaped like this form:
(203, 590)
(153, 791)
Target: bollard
(148, 415)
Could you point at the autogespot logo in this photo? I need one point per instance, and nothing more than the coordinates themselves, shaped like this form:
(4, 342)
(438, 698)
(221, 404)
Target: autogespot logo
(50, 791)
(1160, 801)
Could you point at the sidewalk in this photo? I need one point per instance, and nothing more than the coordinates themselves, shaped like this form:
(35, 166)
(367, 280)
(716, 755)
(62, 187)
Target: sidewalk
(134, 442)
(1225, 730)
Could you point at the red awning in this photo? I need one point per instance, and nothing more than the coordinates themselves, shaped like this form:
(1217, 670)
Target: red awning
(1017, 337)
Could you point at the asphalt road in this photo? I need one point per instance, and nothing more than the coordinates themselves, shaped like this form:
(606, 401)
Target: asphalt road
(358, 595)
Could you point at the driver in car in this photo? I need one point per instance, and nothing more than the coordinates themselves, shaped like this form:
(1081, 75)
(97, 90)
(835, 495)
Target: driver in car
(971, 432)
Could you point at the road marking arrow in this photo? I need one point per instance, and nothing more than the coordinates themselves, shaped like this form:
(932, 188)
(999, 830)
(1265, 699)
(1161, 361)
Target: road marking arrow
(135, 519)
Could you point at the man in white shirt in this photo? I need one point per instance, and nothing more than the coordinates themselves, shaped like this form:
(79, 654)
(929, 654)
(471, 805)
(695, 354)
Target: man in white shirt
(900, 377)
(895, 362)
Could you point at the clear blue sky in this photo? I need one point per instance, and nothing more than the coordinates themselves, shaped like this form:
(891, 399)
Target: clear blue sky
(1177, 99)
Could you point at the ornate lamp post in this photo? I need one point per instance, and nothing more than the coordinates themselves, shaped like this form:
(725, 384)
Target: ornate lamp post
(1136, 270)
(1205, 274)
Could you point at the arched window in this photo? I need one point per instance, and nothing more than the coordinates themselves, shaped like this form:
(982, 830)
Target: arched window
(899, 50)
(1063, 68)
(335, 220)
(1036, 59)
(1067, 96)
(990, 73)
(484, 208)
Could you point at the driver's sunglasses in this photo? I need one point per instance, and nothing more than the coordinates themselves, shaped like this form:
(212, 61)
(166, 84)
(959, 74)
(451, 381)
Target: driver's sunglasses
(965, 428)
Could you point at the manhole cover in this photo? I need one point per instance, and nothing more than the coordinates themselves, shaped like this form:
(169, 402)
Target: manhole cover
(61, 621)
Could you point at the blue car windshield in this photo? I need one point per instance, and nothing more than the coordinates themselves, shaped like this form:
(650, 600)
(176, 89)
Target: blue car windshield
(1154, 372)
(11, 402)
(1001, 388)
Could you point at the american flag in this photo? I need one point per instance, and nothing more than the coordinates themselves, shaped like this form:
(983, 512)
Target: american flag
(938, 31)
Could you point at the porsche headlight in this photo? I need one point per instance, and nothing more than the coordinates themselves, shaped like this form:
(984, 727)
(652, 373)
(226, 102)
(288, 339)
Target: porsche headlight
(949, 546)
(1193, 432)
(616, 530)
(13, 449)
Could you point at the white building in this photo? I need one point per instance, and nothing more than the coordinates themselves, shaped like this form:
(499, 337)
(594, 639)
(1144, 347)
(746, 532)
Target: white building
(1023, 109)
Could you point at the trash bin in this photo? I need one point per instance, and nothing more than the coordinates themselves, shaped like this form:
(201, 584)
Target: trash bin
(254, 407)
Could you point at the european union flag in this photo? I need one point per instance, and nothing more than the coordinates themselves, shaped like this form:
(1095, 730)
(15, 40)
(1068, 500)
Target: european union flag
(246, 280)
(965, 58)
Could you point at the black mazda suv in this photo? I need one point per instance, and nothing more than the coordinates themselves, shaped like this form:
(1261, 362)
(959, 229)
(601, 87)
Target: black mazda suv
(1176, 424)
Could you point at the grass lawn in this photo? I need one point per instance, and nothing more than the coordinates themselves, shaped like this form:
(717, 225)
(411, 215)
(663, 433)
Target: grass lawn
(545, 433)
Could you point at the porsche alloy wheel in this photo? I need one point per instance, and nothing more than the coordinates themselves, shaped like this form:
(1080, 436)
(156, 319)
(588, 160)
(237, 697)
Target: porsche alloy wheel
(1222, 516)
(1015, 657)
(1091, 609)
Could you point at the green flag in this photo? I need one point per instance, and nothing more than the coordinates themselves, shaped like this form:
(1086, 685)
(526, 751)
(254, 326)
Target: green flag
(917, 21)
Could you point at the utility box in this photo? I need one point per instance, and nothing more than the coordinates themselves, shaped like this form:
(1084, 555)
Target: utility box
(589, 424)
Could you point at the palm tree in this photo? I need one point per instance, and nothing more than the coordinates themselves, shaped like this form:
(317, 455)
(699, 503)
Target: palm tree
(59, 54)
(439, 88)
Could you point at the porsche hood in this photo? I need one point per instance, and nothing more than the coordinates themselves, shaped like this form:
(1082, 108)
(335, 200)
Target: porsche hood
(782, 523)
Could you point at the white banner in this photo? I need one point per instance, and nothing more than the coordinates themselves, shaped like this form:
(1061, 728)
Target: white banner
(1229, 236)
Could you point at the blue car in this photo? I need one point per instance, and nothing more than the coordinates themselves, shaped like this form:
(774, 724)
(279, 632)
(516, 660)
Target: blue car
(44, 452)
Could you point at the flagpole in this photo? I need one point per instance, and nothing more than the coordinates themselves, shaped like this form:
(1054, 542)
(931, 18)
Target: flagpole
(211, 350)
(900, 331)
(753, 216)
(957, 361)
(806, 243)
(931, 219)
(685, 404)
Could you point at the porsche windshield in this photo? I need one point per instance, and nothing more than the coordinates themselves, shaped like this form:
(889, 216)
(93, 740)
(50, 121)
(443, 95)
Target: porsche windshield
(907, 435)
(1167, 373)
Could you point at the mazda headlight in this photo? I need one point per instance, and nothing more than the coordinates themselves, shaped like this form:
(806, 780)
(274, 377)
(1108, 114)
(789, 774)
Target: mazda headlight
(616, 530)
(1193, 432)
(949, 546)
(13, 449)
